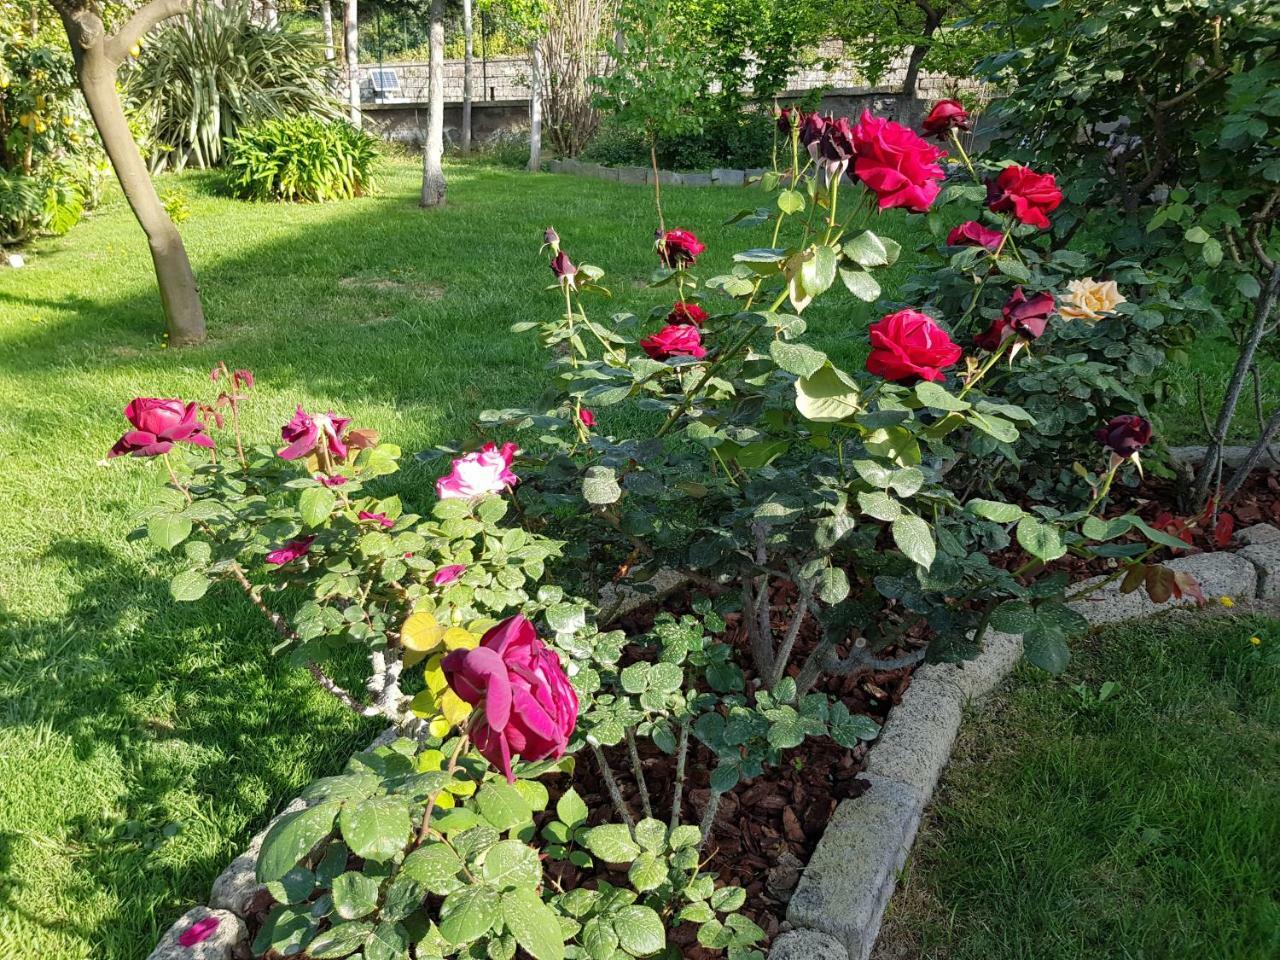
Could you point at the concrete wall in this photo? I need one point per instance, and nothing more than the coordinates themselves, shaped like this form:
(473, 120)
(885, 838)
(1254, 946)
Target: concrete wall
(407, 123)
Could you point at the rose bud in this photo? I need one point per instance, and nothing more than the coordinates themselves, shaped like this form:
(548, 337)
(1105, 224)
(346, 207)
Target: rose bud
(1029, 317)
(688, 313)
(973, 234)
(835, 148)
(306, 431)
(789, 118)
(158, 425)
(675, 340)
(908, 346)
(477, 474)
(677, 248)
(550, 238)
(293, 550)
(898, 166)
(946, 115)
(1028, 195)
(379, 518)
(447, 575)
(529, 707)
(563, 267)
(1125, 435)
(586, 418)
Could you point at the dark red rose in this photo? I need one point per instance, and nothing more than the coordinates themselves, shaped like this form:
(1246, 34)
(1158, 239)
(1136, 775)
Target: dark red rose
(1028, 315)
(973, 234)
(676, 340)
(996, 334)
(158, 425)
(677, 248)
(811, 128)
(836, 145)
(1125, 434)
(684, 312)
(946, 115)
(562, 266)
(896, 164)
(908, 346)
(1028, 195)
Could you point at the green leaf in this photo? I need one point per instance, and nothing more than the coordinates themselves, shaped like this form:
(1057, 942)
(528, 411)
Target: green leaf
(994, 510)
(354, 895)
(640, 930)
(388, 941)
(1013, 616)
(1012, 268)
(315, 505)
(790, 201)
(188, 585)
(600, 486)
(168, 530)
(503, 806)
(340, 940)
(1046, 647)
(878, 504)
(612, 843)
(292, 838)
(294, 887)
(600, 939)
(936, 396)
(376, 829)
(828, 396)
(993, 426)
(436, 867)
(1040, 539)
(686, 835)
(571, 809)
(833, 585)
(651, 834)
(468, 914)
(867, 250)
(511, 864)
(861, 284)
(1196, 235)
(647, 872)
(915, 539)
(818, 272)
(728, 899)
(797, 358)
(533, 924)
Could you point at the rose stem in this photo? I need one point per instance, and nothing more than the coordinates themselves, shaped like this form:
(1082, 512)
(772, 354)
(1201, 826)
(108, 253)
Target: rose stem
(614, 793)
(637, 771)
(709, 818)
(682, 751)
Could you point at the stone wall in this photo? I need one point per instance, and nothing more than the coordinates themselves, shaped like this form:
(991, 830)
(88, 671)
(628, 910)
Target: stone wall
(407, 123)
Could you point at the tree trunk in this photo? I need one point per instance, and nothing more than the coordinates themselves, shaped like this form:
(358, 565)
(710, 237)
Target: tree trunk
(326, 17)
(932, 20)
(351, 50)
(97, 59)
(433, 185)
(468, 69)
(535, 107)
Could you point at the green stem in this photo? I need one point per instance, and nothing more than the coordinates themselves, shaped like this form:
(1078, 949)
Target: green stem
(712, 367)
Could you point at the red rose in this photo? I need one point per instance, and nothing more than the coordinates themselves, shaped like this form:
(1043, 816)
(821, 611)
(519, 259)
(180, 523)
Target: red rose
(1020, 315)
(158, 425)
(907, 346)
(679, 247)
(562, 266)
(811, 128)
(1025, 193)
(789, 117)
(946, 115)
(896, 164)
(1125, 434)
(835, 147)
(587, 418)
(676, 340)
(689, 313)
(973, 234)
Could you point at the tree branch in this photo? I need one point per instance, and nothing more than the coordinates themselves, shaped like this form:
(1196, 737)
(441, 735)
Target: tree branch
(118, 45)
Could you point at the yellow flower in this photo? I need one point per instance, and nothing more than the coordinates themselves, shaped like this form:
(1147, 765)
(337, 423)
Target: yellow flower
(1227, 602)
(1256, 641)
(1089, 299)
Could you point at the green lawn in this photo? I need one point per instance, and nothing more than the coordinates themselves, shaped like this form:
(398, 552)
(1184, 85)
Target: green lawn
(1147, 827)
(142, 741)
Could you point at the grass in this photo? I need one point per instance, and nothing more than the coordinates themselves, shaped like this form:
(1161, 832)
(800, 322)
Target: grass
(1145, 827)
(142, 742)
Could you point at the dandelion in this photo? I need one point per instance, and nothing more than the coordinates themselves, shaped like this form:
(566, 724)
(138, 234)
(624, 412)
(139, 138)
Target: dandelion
(1227, 602)
(1256, 641)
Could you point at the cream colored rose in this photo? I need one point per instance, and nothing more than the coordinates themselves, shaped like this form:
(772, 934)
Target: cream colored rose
(1089, 299)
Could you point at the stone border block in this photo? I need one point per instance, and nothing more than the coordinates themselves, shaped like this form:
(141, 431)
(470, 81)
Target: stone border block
(1220, 575)
(722, 177)
(807, 945)
(916, 739)
(1258, 533)
(223, 944)
(1265, 557)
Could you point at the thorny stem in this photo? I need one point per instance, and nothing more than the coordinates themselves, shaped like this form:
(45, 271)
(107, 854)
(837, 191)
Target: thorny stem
(173, 477)
(709, 818)
(611, 783)
(682, 753)
(789, 641)
(637, 771)
(715, 364)
(451, 769)
(986, 367)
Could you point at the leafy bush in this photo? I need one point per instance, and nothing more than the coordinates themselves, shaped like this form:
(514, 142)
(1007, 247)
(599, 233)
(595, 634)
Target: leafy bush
(741, 141)
(215, 70)
(301, 158)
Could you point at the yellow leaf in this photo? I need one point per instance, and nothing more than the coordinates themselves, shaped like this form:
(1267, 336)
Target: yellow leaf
(430, 760)
(434, 675)
(421, 632)
(462, 788)
(456, 638)
(439, 727)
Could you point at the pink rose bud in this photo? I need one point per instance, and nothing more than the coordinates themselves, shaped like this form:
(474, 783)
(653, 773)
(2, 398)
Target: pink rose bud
(587, 417)
(690, 313)
(337, 480)
(973, 234)
(306, 431)
(530, 708)
(486, 471)
(676, 340)
(291, 551)
(158, 425)
(447, 575)
(379, 518)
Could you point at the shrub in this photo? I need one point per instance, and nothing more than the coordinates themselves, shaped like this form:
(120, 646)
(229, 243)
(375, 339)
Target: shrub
(209, 73)
(741, 141)
(301, 158)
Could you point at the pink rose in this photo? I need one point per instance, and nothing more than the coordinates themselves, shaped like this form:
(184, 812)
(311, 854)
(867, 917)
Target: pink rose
(587, 418)
(908, 346)
(291, 551)
(477, 474)
(447, 575)
(690, 313)
(896, 164)
(306, 431)
(946, 115)
(158, 425)
(337, 480)
(530, 708)
(675, 340)
(676, 248)
(379, 518)
(973, 234)
(1028, 195)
